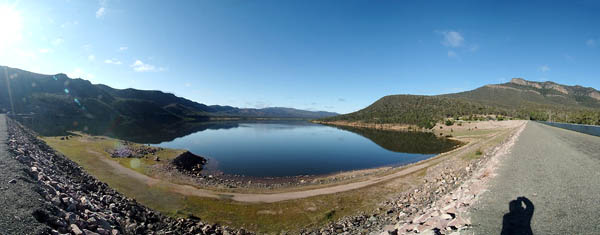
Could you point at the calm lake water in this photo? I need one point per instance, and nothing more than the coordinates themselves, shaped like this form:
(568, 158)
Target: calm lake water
(587, 129)
(267, 148)
(301, 148)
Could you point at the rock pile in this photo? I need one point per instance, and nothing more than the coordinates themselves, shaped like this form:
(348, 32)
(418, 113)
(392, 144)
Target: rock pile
(77, 203)
(130, 150)
(394, 213)
(449, 214)
(189, 163)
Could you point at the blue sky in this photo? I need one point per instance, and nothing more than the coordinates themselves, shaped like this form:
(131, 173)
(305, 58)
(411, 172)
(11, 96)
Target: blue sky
(317, 55)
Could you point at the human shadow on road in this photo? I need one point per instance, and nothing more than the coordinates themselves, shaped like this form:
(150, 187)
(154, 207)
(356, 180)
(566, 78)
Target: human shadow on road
(518, 219)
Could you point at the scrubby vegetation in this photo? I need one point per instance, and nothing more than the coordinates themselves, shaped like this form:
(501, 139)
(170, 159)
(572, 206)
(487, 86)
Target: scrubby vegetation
(509, 101)
(422, 111)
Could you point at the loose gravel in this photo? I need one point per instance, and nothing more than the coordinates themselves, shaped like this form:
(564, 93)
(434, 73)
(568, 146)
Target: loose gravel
(557, 170)
(70, 201)
(18, 195)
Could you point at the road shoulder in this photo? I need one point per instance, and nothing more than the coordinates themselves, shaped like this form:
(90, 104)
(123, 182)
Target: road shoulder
(18, 196)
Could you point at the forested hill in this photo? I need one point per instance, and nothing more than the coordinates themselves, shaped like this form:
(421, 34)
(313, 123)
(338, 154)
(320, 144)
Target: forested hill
(58, 95)
(518, 98)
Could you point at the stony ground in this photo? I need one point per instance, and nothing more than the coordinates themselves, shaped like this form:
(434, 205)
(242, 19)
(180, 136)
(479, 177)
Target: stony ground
(69, 200)
(555, 169)
(438, 205)
(448, 215)
(18, 196)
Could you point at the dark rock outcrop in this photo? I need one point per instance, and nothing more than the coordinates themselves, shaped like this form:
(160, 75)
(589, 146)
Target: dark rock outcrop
(189, 162)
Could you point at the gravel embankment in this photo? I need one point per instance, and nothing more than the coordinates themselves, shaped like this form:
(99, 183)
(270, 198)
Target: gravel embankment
(18, 193)
(555, 169)
(436, 206)
(69, 200)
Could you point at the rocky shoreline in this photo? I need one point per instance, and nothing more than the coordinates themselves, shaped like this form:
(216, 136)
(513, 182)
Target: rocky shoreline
(437, 206)
(77, 203)
(212, 179)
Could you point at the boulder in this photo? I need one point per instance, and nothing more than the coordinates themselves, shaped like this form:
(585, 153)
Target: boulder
(75, 230)
(446, 216)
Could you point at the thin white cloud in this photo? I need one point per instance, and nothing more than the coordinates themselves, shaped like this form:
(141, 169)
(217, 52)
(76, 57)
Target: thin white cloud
(570, 58)
(79, 73)
(69, 23)
(100, 12)
(87, 47)
(452, 38)
(544, 68)
(58, 41)
(112, 61)
(45, 50)
(474, 48)
(123, 48)
(140, 66)
(591, 43)
(91, 57)
(452, 54)
(28, 54)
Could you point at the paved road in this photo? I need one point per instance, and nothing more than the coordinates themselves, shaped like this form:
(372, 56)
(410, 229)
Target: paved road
(17, 200)
(558, 171)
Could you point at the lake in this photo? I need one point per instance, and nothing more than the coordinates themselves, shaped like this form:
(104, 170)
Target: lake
(586, 129)
(291, 148)
(266, 148)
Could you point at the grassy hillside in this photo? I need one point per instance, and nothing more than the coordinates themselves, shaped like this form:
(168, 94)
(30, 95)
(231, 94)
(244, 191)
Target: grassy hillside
(519, 99)
(422, 111)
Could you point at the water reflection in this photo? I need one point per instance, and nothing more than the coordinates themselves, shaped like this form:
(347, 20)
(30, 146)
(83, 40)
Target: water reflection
(405, 142)
(265, 148)
(140, 132)
(396, 141)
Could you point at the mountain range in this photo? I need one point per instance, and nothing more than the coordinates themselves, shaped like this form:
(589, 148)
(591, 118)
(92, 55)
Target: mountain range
(518, 98)
(60, 95)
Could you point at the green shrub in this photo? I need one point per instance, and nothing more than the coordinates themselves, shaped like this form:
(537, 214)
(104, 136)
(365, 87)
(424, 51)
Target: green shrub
(329, 215)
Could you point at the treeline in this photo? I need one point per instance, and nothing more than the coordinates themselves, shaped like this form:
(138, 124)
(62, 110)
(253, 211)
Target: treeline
(588, 117)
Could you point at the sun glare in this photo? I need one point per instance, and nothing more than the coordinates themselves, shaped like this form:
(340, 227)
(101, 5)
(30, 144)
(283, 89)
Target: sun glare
(11, 25)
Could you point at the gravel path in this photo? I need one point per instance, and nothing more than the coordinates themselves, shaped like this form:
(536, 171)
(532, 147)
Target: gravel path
(556, 170)
(19, 199)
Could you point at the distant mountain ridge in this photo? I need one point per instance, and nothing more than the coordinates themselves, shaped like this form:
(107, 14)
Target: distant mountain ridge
(519, 90)
(518, 98)
(60, 96)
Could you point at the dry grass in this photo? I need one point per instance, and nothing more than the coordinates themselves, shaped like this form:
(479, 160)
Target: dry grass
(265, 218)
